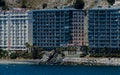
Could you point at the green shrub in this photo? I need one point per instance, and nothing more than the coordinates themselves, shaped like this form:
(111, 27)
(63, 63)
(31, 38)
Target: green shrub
(3, 53)
(111, 2)
(85, 12)
(79, 4)
(24, 2)
(44, 5)
(36, 54)
(5, 7)
(39, 55)
(2, 3)
(14, 55)
(26, 56)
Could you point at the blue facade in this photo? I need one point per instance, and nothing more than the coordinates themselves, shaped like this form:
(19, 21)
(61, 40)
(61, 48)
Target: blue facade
(52, 28)
(104, 28)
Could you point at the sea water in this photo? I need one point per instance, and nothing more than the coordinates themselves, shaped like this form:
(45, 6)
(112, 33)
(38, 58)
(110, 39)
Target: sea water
(58, 70)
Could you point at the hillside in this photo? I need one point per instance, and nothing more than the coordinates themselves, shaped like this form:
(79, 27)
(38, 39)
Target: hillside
(38, 4)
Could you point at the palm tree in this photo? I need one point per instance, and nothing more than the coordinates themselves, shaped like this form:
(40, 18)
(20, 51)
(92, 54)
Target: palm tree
(36, 52)
(39, 53)
(28, 46)
(86, 49)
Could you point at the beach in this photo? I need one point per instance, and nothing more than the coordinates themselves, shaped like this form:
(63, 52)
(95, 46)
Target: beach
(23, 61)
(68, 61)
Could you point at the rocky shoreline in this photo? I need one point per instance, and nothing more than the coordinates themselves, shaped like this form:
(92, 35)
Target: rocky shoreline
(93, 61)
(24, 61)
(69, 61)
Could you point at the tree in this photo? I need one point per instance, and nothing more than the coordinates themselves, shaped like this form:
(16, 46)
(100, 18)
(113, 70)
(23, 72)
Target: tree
(5, 7)
(111, 2)
(85, 12)
(24, 2)
(37, 52)
(2, 3)
(44, 5)
(26, 55)
(14, 55)
(79, 4)
(28, 46)
(3, 53)
(60, 51)
(86, 50)
(104, 50)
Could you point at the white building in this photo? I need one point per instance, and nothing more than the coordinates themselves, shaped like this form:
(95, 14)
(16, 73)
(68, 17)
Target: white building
(14, 29)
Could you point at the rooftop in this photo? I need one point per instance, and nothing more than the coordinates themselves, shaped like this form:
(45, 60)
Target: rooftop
(105, 8)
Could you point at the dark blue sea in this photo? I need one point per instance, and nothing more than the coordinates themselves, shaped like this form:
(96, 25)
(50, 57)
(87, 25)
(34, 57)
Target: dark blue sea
(58, 70)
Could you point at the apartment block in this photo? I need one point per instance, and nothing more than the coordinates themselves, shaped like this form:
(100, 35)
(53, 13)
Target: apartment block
(57, 27)
(14, 29)
(104, 28)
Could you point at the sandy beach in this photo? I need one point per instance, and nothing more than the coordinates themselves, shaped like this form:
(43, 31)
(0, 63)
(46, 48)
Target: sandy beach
(25, 61)
(67, 61)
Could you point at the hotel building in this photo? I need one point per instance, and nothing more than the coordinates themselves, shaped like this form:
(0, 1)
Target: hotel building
(57, 27)
(104, 28)
(13, 29)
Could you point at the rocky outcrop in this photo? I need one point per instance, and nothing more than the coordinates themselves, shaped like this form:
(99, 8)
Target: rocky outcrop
(52, 57)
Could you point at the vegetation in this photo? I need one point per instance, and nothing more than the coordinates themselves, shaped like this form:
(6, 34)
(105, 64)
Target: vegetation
(79, 4)
(60, 51)
(111, 2)
(3, 5)
(20, 54)
(28, 46)
(14, 55)
(85, 50)
(44, 5)
(71, 49)
(23, 5)
(105, 52)
(85, 12)
(3, 53)
(37, 53)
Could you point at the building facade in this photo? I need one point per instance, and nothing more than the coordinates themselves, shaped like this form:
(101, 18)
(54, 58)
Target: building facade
(57, 27)
(78, 30)
(104, 28)
(13, 29)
